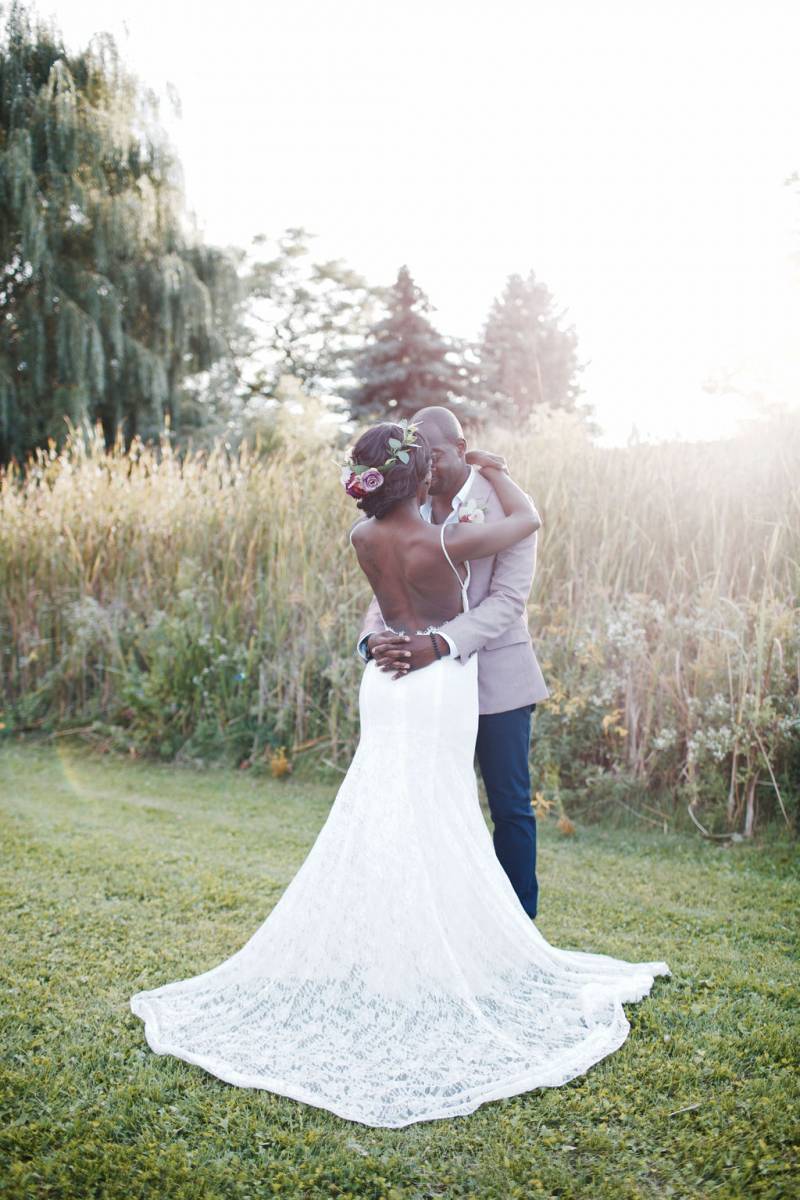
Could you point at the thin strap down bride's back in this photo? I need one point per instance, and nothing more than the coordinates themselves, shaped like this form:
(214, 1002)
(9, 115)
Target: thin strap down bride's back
(463, 583)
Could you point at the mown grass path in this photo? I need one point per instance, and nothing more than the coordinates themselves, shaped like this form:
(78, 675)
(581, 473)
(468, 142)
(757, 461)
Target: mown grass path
(118, 876)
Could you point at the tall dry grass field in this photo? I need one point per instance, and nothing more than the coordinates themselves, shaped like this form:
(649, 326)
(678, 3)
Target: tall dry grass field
(208, 605)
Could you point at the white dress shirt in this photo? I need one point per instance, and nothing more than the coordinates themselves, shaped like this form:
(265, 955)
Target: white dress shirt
(426, 512)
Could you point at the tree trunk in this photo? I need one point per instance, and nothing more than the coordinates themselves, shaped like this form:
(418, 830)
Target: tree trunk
(733, 798)
(750, 806)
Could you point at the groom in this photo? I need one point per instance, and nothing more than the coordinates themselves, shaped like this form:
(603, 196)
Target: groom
(509, 679)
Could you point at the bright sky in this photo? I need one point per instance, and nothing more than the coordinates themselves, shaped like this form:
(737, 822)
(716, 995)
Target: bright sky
(632, 152)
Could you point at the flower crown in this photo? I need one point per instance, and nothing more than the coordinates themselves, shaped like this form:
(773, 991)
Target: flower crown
(359, 480)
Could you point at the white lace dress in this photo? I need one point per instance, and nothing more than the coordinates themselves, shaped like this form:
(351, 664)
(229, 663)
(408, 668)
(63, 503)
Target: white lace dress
(398, 978)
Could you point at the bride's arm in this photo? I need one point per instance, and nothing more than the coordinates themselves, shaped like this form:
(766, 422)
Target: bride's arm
(466, 540)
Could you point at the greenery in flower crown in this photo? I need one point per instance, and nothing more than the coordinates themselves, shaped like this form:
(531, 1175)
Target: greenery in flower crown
(399, 448)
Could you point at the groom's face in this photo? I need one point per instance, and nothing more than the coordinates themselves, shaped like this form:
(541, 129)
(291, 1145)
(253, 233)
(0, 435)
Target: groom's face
(447, 462)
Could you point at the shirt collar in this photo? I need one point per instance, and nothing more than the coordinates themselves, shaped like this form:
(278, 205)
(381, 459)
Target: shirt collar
(458, 499)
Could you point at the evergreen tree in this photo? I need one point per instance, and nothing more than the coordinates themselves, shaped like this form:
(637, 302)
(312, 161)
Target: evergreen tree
(107, 304)
(527, 357)
(405, 364)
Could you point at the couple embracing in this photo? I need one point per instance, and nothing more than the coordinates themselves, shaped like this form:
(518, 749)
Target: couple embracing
(400, 977)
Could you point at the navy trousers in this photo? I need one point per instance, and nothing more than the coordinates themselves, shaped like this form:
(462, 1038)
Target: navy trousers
(502, 750)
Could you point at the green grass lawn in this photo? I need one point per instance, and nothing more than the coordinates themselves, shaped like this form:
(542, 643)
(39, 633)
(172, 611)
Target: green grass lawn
(120, 876)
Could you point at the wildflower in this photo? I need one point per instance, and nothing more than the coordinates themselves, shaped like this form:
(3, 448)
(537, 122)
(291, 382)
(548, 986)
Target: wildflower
(541, 805)
(279, 764)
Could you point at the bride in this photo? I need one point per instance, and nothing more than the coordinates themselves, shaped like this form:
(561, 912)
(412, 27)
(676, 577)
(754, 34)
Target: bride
(398, 978)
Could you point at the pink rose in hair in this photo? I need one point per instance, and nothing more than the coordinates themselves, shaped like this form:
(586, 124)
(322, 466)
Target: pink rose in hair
(371, 480)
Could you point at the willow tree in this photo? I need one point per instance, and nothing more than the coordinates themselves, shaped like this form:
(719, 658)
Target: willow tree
(107, 301)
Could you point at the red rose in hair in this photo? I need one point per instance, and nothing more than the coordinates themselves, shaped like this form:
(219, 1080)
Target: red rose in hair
(352, 485)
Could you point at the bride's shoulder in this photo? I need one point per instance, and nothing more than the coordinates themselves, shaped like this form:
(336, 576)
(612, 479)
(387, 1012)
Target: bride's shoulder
(358, 530)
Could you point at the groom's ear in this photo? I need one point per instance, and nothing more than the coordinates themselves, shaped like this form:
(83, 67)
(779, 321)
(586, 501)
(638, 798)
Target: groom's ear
(461, 447)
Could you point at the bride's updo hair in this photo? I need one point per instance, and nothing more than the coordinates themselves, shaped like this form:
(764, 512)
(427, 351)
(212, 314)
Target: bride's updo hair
(401, 480)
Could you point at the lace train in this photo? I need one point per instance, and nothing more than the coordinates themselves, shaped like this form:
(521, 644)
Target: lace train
(398, 978)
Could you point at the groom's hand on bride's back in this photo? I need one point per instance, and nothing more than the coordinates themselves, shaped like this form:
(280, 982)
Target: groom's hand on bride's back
(390, 651)
(400, 653)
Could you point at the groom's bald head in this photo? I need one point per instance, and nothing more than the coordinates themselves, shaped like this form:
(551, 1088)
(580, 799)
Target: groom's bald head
(439, 422)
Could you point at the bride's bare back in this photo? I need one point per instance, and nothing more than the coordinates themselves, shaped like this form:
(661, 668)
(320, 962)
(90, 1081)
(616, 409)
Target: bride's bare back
(413, 582)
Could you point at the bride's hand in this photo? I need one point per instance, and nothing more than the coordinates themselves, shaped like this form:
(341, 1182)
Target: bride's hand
(485, 458)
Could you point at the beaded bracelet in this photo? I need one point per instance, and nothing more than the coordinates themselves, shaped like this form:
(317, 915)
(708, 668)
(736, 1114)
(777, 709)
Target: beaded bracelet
(437, 651)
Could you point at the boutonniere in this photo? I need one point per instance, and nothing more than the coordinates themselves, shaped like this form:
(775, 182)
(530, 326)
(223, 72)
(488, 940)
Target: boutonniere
(470, 511)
